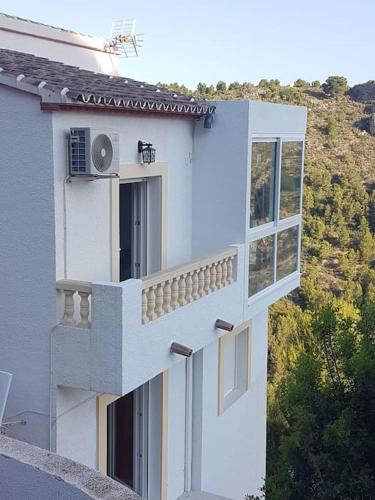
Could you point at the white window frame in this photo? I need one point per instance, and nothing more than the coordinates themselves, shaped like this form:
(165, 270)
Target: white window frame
(227, 400)
(274, 227)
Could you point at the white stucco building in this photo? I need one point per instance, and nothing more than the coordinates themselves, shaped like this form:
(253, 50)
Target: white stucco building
(100, 276)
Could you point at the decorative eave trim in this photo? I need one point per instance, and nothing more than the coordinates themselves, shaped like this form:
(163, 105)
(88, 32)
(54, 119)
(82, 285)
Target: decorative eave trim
(73, 106)
(149, 105)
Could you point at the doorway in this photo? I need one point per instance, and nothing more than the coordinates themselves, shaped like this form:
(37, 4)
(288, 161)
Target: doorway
(133, 230)
(127, 438)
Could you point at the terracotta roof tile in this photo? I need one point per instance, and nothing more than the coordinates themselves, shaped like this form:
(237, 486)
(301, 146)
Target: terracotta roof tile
(96, 89)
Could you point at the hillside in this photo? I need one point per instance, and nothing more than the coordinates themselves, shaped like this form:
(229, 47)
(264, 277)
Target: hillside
(339, 200)
(321, 360)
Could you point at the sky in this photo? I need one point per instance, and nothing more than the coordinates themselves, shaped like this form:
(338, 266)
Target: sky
(238, 40)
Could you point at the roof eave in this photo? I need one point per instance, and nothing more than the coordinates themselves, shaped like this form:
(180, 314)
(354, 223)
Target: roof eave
(83, 107)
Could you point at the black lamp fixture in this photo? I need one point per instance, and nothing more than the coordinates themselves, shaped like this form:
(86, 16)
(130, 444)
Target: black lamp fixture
(147, 151)
(208, 120)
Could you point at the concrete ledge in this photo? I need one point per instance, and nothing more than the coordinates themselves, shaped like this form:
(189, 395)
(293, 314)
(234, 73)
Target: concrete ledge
(27, 471)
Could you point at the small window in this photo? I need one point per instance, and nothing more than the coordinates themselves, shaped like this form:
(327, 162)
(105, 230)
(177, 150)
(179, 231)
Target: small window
(287, 252)
(261, 264)
(234, 366)
(262, 195)
(291, 177)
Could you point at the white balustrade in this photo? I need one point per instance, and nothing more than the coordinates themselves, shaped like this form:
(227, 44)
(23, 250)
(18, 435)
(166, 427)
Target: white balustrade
(162, 292)
(76, 303)
(168, 290)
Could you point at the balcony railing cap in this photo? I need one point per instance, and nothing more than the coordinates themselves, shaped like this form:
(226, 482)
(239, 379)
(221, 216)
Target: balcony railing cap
(174, 272)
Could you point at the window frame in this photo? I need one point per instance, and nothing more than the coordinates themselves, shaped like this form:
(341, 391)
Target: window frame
(227, 400)
(274, 227)
(275, 183)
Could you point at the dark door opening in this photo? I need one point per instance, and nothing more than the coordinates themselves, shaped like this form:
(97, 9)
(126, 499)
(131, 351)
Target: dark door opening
(120, 459)
(127, 440)
(133, 234)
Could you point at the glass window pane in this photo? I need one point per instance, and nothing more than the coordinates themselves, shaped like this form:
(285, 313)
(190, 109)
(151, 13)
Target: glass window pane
(229, 365)
(287, 252)
(263, 166)
(261, 264)
(291, 169)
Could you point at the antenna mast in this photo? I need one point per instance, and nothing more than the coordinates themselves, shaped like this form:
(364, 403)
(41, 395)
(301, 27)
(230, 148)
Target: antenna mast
(123, 40)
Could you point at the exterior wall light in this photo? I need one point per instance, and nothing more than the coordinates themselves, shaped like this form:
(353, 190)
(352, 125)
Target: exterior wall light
(181, 349)
(223, 325)
(147, 151)
(208, 120)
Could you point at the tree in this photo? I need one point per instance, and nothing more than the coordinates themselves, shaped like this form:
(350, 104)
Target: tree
(301, 83)
(221, 86)
(234, 86)
(274, 83)
(263, 83)
(202, 88)
(321, 414)
(315, 83)
(335, 85)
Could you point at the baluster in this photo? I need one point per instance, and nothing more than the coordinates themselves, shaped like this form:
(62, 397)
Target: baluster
(219, 275)
(195, 279)
(84, 309)
(207, 280)
(213, 277)
(230, 270)
(144, 307)
(189, 288)
(182, 290)
(151, 303)
(201, 282)
(225, 272)
(167, 297)
(159, 300)
(68, 318)
(174, 294)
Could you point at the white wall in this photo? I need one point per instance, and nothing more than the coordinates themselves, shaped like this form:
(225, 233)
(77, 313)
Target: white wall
(232, 446)
(176, 429)
(27, 261)
(75, 425)
(57, 44)
(88, 236)
(220, 179)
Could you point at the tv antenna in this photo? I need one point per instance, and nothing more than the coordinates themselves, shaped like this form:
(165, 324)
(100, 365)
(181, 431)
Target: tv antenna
(123, 40)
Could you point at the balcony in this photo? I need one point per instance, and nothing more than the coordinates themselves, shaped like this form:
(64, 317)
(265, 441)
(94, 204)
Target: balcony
(112, 337)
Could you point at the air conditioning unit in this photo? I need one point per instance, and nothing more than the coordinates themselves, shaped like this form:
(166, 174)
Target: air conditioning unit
(93, 152)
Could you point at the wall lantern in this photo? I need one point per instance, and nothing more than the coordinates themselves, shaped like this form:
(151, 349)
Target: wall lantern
(147, 151)
(208, 120)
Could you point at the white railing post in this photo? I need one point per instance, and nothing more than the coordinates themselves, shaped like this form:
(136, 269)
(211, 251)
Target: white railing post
(84, 308)
(167, 297)
(68, 318)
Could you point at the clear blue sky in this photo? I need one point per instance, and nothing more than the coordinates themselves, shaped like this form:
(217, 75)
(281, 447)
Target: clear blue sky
(244, 40)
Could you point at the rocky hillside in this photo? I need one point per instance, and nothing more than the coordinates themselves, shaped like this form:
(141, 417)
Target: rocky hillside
(339, 199)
